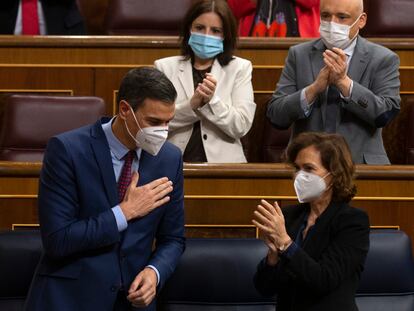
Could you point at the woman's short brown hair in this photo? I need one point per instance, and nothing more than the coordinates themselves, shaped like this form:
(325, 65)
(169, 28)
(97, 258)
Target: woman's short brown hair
(221, 8)
(335, 157)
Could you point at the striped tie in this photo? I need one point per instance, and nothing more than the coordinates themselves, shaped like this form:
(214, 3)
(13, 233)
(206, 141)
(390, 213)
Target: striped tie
(126, 175)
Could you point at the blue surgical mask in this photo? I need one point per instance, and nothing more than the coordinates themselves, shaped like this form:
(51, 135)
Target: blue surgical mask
(205, 46)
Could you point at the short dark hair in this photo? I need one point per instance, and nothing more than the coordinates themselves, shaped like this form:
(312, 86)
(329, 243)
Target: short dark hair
(145, 82)
(221, 8)
(335, 157)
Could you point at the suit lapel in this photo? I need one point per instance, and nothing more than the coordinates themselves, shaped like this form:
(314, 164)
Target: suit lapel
(219, 74)
(185, 76)
(295, 219)
(321, 231)
(316, 59)
(359, 60)
(103, 158)
(145, 168)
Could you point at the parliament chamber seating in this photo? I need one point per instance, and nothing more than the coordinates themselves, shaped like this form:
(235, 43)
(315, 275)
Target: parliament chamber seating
(217, 274)
(145, 17)
(28, 121)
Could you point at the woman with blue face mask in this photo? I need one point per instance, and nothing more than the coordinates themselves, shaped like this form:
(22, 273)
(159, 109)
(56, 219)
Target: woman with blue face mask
(316, 249)
(215, 105)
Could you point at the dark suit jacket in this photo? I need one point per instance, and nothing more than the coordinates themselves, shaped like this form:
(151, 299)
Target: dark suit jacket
(62, 17)
(374, 101)
(324, 273)
(86, 258)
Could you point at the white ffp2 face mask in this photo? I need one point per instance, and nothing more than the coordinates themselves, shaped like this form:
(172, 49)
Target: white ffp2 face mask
(151, 139)
(309, 186)
(336, 35)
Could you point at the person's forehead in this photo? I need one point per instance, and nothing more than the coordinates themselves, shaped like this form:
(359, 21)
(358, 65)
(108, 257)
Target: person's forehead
(309, 154)
(155, 107)
(339, 6)
(208, 17)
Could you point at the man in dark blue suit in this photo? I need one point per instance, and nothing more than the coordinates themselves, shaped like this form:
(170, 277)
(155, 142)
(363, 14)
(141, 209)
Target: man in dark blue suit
(99, 243)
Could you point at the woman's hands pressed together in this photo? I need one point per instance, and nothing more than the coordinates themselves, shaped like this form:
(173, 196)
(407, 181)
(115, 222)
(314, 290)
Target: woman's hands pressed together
(270, 220)
(204, 92)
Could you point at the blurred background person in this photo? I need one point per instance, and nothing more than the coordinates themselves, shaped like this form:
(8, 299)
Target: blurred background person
(282, 18)
(41, 17)
(215, 105)
(316, 249)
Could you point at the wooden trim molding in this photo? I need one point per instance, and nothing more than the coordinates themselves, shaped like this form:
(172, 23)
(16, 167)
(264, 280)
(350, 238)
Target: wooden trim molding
(245, 170)
(167, 42)
(42, 91)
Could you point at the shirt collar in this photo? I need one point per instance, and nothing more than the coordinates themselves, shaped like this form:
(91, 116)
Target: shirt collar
(118, 149)
(349, 51)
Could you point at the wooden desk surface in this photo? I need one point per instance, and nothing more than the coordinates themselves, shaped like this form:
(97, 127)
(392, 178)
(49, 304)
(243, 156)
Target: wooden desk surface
(220, 198)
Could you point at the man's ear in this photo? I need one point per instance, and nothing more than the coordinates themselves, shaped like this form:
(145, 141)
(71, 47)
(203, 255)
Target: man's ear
(362, 21)
(124, 109)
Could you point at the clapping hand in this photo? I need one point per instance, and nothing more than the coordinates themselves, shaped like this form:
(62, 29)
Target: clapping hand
(270, 220)
(335, 60)
(204, 92)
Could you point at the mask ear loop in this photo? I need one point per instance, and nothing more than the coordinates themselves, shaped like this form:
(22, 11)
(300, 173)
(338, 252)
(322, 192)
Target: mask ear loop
(136, 121)
(331, 184)
(133, 114)
(353, 24)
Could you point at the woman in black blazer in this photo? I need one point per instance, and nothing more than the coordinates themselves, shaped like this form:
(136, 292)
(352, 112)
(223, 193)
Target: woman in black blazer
(317, 248)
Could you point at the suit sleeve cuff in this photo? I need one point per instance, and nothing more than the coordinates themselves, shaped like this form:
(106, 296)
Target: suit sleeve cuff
(306, 107)
(121, 221)
(290, 251)
(156, 272)
(350, 92)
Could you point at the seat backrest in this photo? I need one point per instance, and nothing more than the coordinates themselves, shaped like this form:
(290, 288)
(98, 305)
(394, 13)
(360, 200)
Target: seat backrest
(275, 142)
(409, 143)
(145, 17)
(387, 283)
(389, 18)
(216, 274)
(28, 121)
(20, 252)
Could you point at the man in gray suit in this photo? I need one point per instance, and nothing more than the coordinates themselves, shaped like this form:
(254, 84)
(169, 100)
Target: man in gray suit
(340, 83)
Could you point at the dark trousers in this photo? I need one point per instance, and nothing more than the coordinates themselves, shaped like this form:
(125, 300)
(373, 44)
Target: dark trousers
(121, 302)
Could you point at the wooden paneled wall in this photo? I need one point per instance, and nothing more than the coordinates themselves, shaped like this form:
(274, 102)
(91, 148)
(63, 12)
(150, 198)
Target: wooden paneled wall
(220, 199)
(95, 66)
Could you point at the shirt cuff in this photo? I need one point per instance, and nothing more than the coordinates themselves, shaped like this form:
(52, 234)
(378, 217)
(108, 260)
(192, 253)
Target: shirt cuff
(290, 251)
(121, 221)
(306, 107)
(156, 272)
(350, 91)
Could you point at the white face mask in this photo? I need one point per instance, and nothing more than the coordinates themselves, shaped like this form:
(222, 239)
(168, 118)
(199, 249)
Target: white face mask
(151, 138)
(336, 35)
(309, 186)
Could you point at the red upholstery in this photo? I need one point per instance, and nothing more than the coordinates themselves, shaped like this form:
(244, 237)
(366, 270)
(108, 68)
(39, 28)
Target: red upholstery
(28, 121)
(275, 142)
(410, 134)
(389, 18)
(145, 17)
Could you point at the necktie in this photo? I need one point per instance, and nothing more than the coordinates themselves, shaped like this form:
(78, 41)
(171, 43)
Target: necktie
(30, 18)
(126, 175)
(333, 101)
